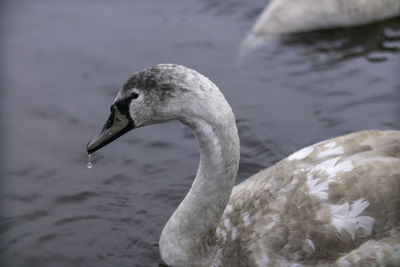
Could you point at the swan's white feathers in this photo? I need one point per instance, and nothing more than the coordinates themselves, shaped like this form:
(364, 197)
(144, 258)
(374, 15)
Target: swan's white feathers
(310, 243)
(301, 154)
(317, 188)
(338, 201)
(331, 151)
(246, 219)
(346, 217)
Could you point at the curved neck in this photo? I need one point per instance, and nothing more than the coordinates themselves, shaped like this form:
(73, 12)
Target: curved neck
(189, 235)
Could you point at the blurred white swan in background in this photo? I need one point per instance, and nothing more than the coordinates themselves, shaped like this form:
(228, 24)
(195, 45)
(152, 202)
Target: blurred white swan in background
(335, 203)
(283, 17)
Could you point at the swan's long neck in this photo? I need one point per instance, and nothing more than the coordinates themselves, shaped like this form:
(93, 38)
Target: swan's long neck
(189, 235)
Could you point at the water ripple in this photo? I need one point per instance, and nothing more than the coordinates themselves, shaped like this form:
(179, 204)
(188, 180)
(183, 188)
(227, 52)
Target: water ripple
(7, 223)
(78, 197)
(118, 179)
(75, 219)
(24, 198)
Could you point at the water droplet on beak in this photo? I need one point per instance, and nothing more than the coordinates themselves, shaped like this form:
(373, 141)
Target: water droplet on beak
(89, 165)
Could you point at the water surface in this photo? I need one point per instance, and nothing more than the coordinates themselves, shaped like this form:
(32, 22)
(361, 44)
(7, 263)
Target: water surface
(64, 61)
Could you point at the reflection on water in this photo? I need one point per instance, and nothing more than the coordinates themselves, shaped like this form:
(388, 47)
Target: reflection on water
(327, 47)
(283, 18)
(64, 64)
(374, 42)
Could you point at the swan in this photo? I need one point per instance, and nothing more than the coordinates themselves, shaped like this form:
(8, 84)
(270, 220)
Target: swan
(283, 17)
(335, 203)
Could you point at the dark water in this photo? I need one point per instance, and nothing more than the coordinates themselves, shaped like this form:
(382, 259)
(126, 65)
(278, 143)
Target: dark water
(64, 61)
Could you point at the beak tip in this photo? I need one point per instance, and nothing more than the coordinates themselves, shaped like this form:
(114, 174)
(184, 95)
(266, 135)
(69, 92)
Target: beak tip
(89, 149)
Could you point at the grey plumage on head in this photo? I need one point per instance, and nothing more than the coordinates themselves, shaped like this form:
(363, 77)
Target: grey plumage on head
(163, 78)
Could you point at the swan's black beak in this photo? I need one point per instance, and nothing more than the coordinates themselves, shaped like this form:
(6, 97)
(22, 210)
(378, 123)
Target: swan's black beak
(117, 124)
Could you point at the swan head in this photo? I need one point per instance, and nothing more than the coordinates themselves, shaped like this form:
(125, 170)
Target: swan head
(158, 94)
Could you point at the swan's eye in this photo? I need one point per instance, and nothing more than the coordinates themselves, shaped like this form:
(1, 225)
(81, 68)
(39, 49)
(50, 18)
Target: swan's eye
(134, 95)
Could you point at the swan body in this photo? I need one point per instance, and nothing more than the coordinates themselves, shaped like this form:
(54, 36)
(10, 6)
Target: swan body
(291, 16)
(282, 17)
(335, 203)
